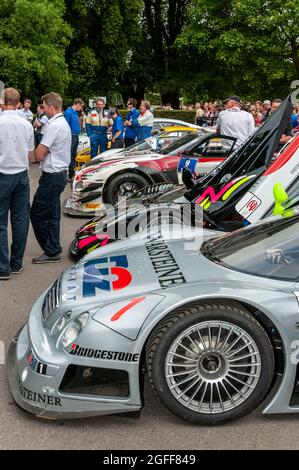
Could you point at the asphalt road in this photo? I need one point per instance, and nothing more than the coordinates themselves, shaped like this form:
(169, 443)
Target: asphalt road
(156, 428)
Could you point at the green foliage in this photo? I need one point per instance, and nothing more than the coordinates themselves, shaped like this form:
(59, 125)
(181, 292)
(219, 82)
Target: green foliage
(199, 49)
(186, 116)
(33, 38)
(255, 44)
(104, 32)
(164, 20)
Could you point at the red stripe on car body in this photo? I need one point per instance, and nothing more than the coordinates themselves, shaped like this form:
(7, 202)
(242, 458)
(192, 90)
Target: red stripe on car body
(127, 307)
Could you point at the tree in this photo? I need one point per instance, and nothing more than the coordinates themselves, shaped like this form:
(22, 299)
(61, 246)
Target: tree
(104, 33)
(164, 23)
(254, 45)
(33, 38)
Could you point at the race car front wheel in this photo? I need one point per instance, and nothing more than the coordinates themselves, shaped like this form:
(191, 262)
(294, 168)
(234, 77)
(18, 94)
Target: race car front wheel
(210, 363)
(124, 185)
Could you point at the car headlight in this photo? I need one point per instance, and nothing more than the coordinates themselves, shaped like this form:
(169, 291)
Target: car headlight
(74, 329)
(61, 323)
(79, 186)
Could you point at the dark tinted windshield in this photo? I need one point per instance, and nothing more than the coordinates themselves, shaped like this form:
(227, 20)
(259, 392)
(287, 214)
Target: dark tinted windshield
(268, 249)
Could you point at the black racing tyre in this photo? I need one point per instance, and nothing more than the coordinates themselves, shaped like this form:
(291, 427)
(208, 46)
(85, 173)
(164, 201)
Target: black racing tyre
(210, 363)
(124, 185)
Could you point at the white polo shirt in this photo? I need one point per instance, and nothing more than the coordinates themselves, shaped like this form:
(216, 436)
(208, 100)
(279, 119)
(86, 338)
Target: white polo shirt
(57, 137)
(237, 123)
(16, 141)
(27, 114)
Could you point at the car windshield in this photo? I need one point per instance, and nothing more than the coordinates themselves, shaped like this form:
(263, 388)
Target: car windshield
(269, 249)
(180, 142)
(157, 142)
(142, 145)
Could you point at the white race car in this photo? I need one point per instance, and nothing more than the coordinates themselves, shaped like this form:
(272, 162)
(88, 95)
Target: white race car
(125, 173)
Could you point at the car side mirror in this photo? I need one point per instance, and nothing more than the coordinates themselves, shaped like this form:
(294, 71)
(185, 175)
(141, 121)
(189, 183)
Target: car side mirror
(281, 198)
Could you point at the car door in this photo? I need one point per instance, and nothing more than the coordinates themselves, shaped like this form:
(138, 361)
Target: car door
(172, 155)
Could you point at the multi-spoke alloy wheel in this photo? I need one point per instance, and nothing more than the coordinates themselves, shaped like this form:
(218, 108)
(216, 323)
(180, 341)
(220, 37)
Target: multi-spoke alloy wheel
(123, 185)
(126, 189)
(212, 367)
(210, 363)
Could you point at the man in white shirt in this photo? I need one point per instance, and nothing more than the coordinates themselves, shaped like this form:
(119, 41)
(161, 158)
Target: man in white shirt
(16, 147)
(39, 124)
(53, 153)
(234, 121)
(25, 112)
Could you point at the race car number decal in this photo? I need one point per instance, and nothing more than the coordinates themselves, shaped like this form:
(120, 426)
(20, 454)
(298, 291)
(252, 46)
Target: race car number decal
(109, 274)
(38, 367)
(189, 163)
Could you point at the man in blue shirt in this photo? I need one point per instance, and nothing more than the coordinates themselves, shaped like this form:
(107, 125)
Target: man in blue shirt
(117, 130)
(130, 131)
(72, 117)
(295, 120)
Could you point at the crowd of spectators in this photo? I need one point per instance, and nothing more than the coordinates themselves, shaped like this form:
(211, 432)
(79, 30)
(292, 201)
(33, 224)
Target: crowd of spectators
(207, 112)
(138, 123)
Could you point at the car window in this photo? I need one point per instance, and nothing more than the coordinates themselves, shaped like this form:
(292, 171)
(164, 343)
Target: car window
(166, 141)
(142, 145)
(268, 249)
(156, 127)
(189, 137)
(167, 124)
(213, 147)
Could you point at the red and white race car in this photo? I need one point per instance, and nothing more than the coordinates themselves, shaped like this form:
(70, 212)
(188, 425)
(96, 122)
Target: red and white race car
(127, 172)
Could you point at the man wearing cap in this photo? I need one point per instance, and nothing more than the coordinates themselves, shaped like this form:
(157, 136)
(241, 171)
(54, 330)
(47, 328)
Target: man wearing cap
(234, 121)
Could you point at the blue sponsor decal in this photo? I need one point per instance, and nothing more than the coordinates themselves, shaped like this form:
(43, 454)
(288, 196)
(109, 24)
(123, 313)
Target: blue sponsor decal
(108, 274)
(189, 163)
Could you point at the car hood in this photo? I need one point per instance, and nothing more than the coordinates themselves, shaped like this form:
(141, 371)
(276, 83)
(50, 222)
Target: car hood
(115, 159)
(119, 155)
(136, 266)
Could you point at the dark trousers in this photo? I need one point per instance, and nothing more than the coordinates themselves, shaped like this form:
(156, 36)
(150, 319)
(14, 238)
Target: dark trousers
(14, 197)
(129, 141)
(97, 140)
(46, 212)
(38, 139)
(74, 150)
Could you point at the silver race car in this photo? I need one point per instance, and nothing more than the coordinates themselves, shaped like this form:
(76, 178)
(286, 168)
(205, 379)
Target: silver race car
(214, 322)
